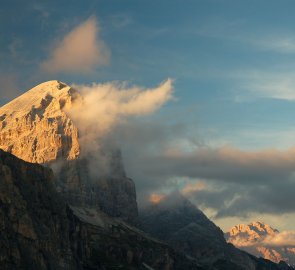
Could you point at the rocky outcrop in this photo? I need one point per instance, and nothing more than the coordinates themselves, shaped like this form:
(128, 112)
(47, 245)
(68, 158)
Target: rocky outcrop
(179, 223)
(109, 243)
(33, 219)
(36, 127)
(38, 231)
(256, 239)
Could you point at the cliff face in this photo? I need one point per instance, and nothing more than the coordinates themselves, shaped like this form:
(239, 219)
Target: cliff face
(33, 220)
(38, 231)
(256, 238)
(37, 128)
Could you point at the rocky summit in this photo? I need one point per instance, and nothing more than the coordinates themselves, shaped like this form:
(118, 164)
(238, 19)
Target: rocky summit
(257, 239)
(37, 128)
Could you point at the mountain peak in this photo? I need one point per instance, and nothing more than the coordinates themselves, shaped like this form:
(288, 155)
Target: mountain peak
(38, 127)
(255, 238)
(253, 231)
(35, 126)
(39, 97)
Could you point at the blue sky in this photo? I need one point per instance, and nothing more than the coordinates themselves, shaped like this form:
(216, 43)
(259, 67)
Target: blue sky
(220, 54)
(232, 62)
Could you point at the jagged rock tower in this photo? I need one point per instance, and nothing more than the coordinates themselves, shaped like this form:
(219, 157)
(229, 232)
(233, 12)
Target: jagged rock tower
(37, 128)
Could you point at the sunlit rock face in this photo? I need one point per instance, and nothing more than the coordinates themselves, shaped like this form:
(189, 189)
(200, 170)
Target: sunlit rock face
(256, 238)
(37, 128)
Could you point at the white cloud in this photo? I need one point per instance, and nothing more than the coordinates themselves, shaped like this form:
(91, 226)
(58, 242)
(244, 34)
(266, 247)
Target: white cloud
(80, 51)
(253, 84)
(276, 88)
(105, 105)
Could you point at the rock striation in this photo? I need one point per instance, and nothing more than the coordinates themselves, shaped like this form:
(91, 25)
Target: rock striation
(37, 128)
(256, 237)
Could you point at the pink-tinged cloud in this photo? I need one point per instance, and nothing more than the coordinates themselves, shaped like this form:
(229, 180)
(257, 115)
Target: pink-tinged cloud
(116, 103)
(285, 238)
(80, 51)
(155, 198)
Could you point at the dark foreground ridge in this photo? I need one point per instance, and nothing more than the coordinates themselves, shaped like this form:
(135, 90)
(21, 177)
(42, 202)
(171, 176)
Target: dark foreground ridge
(38, 230)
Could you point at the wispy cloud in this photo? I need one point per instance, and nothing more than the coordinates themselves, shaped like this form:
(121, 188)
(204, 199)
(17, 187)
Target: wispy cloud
(279, 44)
(237, 31)
(254, 84)
(80, 51)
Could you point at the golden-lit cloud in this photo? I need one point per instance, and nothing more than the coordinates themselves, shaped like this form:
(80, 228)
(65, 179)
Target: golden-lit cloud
(80, 51)
(155, 198)
(284, 238)
(105, 105)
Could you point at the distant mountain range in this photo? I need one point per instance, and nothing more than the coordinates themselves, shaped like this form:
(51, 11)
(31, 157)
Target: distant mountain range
(262, 240)
(59, 211)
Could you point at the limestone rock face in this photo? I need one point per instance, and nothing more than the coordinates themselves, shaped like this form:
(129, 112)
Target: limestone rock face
(33, 219)
(253, 232)
(251, 238)
(37, 128)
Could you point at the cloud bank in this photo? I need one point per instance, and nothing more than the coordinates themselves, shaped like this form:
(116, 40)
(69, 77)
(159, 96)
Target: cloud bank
(229, 181)
(79, 51)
